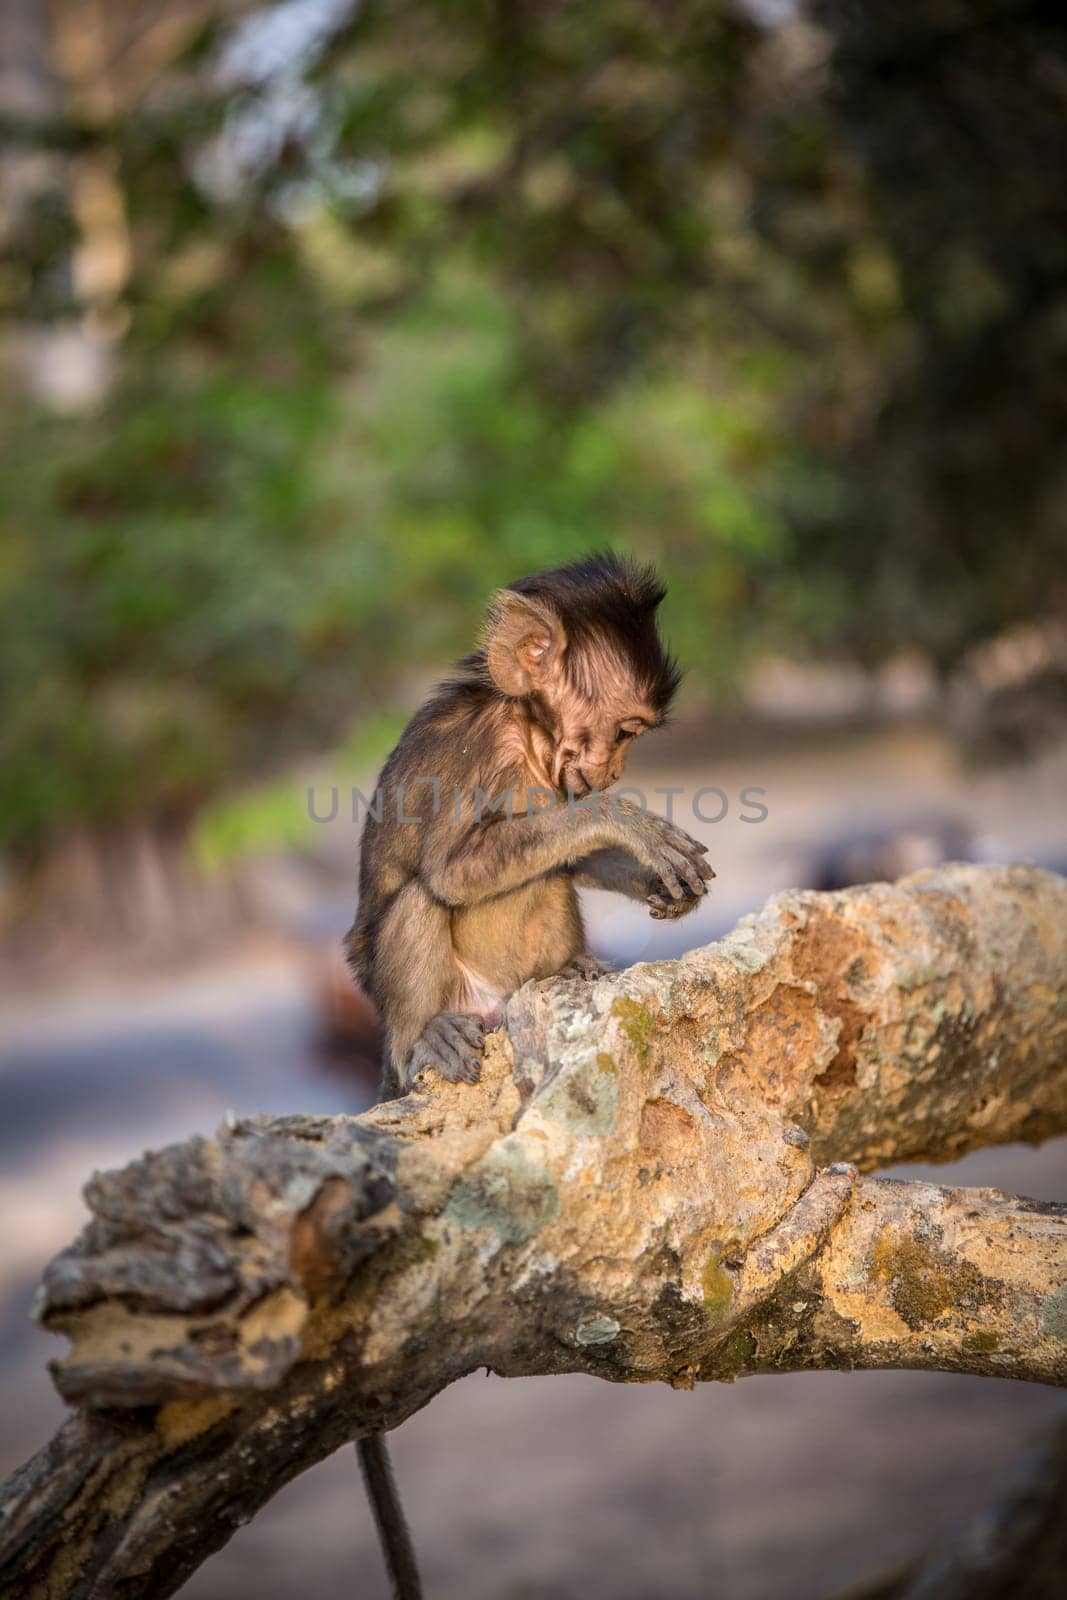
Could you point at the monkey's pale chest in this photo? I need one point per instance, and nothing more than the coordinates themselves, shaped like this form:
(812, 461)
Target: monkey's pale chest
(480, 994)
(498, 945)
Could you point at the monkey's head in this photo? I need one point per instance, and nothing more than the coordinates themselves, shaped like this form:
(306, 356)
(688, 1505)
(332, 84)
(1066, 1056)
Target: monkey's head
(578, 647)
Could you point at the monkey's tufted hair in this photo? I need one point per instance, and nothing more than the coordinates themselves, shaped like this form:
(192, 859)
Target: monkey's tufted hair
(608, 600)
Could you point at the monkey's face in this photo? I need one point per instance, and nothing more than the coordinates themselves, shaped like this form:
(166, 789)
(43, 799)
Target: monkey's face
(595, 736)
(581, 687)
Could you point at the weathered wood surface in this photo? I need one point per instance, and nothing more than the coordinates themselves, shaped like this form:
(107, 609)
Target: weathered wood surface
(660, 1176)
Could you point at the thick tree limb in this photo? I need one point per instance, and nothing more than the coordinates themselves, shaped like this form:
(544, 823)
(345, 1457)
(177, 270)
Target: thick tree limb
(651, 1181)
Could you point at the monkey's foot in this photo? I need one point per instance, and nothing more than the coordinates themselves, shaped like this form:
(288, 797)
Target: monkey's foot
(663, 908)
(453, 1044)
(585, 966)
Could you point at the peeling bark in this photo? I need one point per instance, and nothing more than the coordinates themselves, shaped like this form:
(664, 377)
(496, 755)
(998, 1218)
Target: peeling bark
(657, 1178)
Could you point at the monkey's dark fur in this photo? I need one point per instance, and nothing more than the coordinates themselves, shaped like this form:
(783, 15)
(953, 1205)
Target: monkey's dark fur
(459, 903)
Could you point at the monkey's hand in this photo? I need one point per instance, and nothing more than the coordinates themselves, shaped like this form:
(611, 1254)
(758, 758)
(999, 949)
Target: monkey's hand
(680, 873)
(664, 909)
(453, 1044)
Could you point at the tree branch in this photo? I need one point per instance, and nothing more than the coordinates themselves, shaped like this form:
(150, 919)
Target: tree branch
(648, 1183)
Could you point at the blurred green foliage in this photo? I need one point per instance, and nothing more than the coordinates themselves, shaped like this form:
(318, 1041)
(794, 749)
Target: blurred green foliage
(470, 288)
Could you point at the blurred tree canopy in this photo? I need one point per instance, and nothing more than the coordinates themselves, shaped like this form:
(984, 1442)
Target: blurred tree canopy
(322, 318)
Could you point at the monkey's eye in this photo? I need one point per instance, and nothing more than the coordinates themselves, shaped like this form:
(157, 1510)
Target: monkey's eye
(624, 734)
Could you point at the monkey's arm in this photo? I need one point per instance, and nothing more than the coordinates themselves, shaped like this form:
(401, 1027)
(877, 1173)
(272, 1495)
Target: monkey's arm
(464, 866)
(621, 873)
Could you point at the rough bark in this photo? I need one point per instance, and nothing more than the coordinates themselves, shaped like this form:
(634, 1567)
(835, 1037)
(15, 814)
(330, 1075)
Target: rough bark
(657, 1178)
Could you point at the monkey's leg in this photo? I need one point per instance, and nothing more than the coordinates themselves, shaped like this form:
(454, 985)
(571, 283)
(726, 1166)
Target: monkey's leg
(620, 872)
(419, 986)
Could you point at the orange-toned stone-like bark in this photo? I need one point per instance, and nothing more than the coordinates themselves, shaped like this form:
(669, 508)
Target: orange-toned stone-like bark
(657, 1177)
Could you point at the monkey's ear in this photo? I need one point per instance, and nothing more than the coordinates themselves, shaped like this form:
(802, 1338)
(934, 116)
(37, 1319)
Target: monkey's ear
(523, 643)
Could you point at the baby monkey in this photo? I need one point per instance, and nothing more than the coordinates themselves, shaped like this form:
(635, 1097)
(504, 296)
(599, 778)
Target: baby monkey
(494, 812)
(489, 815)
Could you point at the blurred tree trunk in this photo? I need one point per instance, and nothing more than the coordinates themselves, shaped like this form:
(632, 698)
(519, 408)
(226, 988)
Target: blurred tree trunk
(78, 67)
